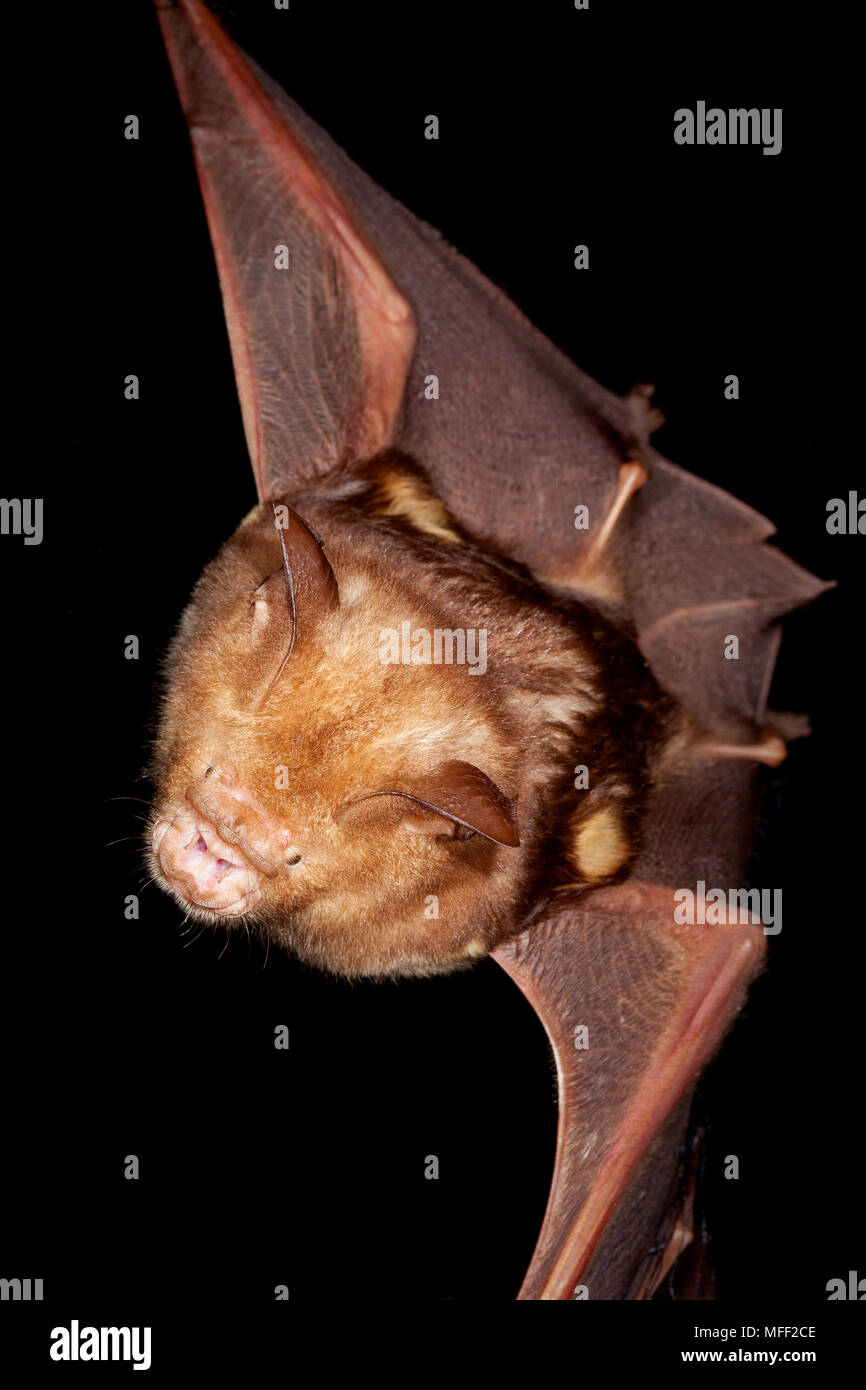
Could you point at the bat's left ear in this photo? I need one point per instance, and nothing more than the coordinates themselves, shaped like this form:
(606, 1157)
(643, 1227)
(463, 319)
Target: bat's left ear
(456, 799)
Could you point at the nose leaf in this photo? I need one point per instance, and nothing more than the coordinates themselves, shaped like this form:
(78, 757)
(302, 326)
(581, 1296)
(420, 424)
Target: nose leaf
(218, 846)
(203, 867)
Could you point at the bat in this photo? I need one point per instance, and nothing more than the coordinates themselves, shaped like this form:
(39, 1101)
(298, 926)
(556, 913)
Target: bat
(445, 693)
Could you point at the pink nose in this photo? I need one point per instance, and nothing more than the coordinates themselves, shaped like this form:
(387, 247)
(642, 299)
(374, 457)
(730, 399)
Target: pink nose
(202, 867)
(217, 846)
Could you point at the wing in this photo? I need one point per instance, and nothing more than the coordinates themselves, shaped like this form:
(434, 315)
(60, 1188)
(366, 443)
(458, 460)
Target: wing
(338, 302)
(634, 1006)
(321, 338)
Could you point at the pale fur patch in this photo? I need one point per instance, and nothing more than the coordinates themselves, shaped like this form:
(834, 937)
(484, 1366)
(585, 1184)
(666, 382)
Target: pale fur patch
(600, 845)
(407, 497)
(475, 949)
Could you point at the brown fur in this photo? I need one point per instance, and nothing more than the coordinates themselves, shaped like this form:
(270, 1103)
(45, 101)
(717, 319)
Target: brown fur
(383, 889)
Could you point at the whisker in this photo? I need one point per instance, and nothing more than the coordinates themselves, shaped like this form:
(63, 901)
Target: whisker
(225, 948)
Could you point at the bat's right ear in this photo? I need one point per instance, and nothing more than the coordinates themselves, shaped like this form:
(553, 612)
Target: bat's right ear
(320, 335)
(455, 799)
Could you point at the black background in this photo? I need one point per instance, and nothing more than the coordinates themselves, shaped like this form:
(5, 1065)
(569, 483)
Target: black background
(306, 1167)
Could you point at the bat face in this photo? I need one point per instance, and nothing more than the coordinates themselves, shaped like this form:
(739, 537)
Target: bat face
(367, 734)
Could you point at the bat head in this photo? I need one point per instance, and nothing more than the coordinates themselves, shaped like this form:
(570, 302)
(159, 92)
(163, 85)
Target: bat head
(319, 773)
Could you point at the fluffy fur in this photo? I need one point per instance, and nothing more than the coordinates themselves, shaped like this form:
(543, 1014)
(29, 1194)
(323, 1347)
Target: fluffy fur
(384, 886)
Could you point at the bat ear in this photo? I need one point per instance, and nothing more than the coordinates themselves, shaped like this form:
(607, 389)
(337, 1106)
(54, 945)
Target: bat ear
(457, 799)
(298, 594)
(321, 338)
(311, 585)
